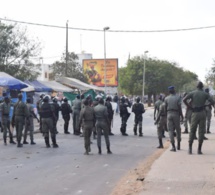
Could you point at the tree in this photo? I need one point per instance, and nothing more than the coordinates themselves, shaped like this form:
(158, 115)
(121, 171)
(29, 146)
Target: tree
(159, 75)
(74, 69)
(16, 49)
(210, 77)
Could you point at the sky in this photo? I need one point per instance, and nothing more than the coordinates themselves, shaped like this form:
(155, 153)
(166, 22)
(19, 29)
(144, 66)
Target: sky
(193, 50)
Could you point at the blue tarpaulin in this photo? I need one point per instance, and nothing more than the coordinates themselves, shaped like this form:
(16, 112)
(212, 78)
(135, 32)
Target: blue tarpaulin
(12, 83)
(39, 87)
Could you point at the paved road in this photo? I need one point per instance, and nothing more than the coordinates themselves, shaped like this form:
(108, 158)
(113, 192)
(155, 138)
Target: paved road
(37, 170)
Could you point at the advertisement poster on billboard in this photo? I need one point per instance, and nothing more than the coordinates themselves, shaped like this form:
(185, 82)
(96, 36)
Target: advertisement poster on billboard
(95, 72)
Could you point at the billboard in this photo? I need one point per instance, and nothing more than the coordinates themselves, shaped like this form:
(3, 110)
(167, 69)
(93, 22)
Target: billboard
(95, 72)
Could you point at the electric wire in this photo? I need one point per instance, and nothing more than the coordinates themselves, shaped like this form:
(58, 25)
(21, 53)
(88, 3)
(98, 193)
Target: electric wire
(117, 31)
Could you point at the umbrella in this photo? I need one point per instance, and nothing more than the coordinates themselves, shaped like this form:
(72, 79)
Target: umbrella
(12, 83)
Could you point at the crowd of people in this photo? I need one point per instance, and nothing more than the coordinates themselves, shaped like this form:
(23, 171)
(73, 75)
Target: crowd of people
(95, 117)
(170, 116)
(90, 117)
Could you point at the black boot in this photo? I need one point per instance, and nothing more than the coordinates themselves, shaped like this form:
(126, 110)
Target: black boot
(190, 148)
(208, 129)
(135, 130)
(108, 150)
(140, 132)
(47, 142)
(11, 141)
(25, 142)
(185, 131)
(178, 146)
(19, 145)
(54, 142)
(5, 141)
(205, 138)
(160, 143)
(100, 150)
(32, 142)
(199, 148)
(173, 148)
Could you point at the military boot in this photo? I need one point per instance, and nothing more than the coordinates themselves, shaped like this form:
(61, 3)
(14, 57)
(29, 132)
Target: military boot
(185, 131)
(135, 130)
(86, 150)
(99, 150)
(19, 145)
(208, 129)
(54, 142)
(47, 142)
(205, 138)
(5, 141)
(108, 150)
(12, 141)
(173, 148)
(160, 143)
(178, 146)
(190, 148)
(140, 132)
(199, 148)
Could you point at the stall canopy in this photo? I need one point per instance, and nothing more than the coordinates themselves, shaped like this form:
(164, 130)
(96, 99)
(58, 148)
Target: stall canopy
(77, 84)
(58, 87)
(10, 82)
(39, 87)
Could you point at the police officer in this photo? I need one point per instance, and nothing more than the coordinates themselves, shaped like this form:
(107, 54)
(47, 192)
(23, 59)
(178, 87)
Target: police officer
(174, 112)
(102, 124)
(20, 114)
(47, 115)
(39, 103)
(110, 112)
(138, 110)
(5, 118)
(66, 110)
(29, 124)
(198, 119)
(208, 110)
(87, 121)
(76, 108)
(56, 111)
(124, 114)
(157, 106)
(161, 122)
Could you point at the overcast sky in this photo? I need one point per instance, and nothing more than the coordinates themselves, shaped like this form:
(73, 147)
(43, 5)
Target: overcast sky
(192, 50)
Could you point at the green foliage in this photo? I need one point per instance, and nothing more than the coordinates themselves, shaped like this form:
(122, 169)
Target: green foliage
(158, 76)
(16, 49)
(74, 69)
(210, 77)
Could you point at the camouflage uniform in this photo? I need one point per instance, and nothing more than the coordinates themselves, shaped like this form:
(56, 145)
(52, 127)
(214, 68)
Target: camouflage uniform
(102, 125)
(20, 114)
(5, 109)
(138, 110)
(87, 120)
(76, 108)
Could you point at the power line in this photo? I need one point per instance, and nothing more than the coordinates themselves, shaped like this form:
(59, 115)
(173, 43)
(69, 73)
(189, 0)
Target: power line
(117, 31)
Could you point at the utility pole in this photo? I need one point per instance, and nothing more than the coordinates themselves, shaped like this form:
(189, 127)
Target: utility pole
(66, 48)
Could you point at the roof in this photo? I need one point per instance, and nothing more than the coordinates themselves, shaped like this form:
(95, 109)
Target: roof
(39, 87)
(77, 84)
(56, 86)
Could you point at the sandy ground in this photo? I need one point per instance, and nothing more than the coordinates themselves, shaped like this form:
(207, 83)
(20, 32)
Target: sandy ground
(132, 183)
